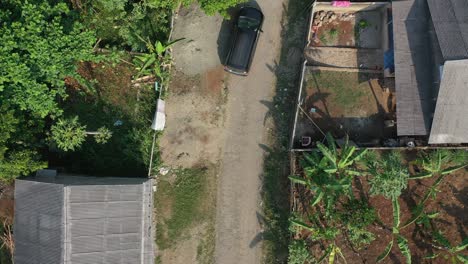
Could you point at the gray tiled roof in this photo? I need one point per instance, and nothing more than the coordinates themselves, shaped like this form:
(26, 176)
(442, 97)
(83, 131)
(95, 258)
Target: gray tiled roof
(413, 79)
(450, 19)
(67, 219)
(450, 125)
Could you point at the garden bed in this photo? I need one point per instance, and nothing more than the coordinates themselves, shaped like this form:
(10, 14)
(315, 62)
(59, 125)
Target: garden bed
(361, 29)
(447, 207)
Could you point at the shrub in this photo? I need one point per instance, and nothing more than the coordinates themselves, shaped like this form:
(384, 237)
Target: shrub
(360, 237)
(298, 253)
(357, 214)
(389, 176)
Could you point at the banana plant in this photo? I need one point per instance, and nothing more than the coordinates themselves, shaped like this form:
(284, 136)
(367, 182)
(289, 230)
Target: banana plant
(438, 163)
(447, 251)
(402, 242)
(328, 172)
(332, 252)
(156, 61)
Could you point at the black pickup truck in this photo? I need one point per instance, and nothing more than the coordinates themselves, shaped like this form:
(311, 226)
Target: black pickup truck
(247, 27)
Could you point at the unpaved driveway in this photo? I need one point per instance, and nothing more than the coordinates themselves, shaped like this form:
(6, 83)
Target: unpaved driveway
(238, 234)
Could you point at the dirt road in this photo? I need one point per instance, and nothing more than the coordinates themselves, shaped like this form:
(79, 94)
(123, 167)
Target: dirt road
(238, 235)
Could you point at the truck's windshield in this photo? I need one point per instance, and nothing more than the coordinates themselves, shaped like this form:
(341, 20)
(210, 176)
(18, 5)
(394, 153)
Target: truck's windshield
(248, 23)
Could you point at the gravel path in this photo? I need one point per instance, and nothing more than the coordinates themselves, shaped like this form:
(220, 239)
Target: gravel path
(238, 238)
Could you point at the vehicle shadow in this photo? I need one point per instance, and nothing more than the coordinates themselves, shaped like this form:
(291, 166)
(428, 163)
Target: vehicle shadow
(225, 31)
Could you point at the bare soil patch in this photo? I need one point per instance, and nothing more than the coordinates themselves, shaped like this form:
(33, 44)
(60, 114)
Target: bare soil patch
(195, 118)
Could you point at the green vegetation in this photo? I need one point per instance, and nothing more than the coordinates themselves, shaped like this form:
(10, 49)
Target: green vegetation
(69, 134)
(363, 24)
(447, 251)
(63, 59)
(333, 215)
(390, 177)
(343, 89)
(275, 192)
(298, 253)
(186, 193)
(333, 33)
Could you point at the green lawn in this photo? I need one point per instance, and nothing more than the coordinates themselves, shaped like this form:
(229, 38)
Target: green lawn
(343, 90)
(181, 203)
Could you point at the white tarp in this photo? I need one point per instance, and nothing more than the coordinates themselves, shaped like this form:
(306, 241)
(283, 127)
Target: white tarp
(159, 120)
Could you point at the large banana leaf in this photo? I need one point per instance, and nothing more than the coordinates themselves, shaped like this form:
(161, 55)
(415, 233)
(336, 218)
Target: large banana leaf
(298, 179)
(462, 246)
(386, 252)
(396, 215)
(421, 176)
(462, 258)
(318, 197)
(346, 154)
(453, 169)
(331, 257)
(404, 248)
(331, 143)
(301, 224)
(328, 153)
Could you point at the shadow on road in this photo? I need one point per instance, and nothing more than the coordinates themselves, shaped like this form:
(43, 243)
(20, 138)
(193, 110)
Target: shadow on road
(275, 192)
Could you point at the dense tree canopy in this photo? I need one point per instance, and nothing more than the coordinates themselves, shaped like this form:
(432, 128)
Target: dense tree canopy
(41, 43)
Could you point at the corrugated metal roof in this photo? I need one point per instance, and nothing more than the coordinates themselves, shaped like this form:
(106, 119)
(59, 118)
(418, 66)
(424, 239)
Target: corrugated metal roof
(450, 19)
(38, 222)
(105, 223)
(450, 125)
(413, 77)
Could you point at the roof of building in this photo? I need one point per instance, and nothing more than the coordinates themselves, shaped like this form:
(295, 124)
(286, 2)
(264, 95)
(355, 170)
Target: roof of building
(74, 219)
(413, 77)
(450, 19)
(450, 124)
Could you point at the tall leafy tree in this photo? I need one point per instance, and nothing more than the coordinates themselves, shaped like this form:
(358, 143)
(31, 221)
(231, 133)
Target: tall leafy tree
(69, 134)
(40, 45)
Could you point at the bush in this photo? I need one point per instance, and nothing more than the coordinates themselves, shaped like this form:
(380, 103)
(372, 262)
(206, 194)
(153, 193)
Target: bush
(357, 214)
(298, 253)
(389, 176)
(360, 237)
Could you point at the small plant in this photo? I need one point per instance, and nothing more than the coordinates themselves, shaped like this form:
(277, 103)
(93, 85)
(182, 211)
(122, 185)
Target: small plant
(298, 253)
(323, 39)
(447, 251)
(329, 172)
(363, 24)
(389, 176)
(333, 32)
(103, 135)
(357, 214)
(360, 238)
